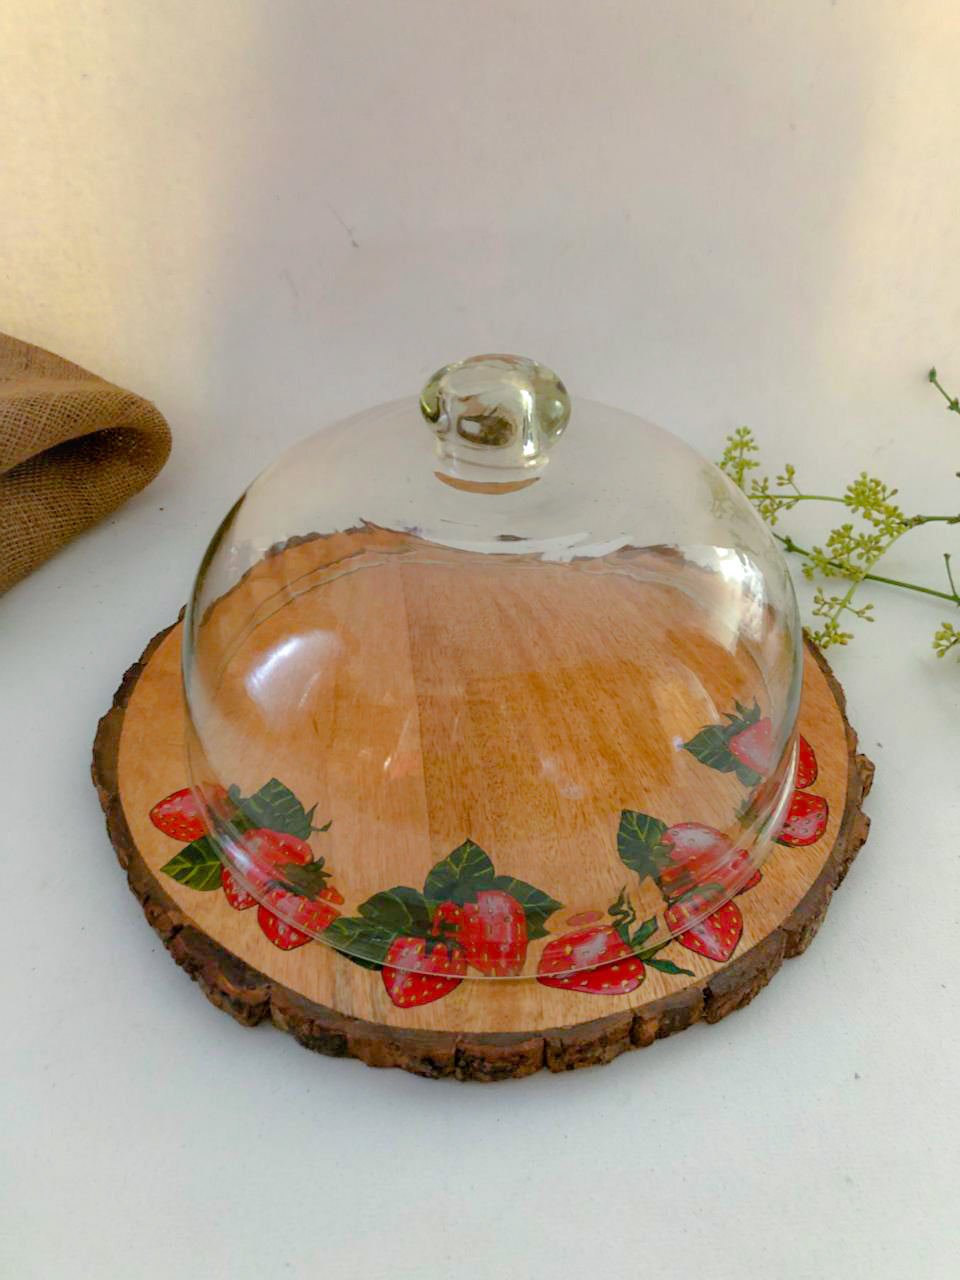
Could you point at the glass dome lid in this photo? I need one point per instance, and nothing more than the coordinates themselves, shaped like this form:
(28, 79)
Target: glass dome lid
(492, 685)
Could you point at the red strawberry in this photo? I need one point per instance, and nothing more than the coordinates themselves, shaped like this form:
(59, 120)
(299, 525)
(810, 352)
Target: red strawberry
(754, 880)
(697, 854)
(266, 851)
(737, 867)
(617, 970)
(180, 817)
(753, 746)
(448, 921)
(293, 884)
(314, 914)
(806, 820)
(806, 765)
(715, 937)
(702, 855)
(494, 934)
(238, 898)
(585, 917)
(277, 931)
(415, 975)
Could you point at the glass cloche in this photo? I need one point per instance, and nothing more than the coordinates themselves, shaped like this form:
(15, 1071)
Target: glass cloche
(492, 685)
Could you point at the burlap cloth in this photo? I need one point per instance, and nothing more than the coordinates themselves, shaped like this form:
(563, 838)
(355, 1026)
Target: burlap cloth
(72, 449)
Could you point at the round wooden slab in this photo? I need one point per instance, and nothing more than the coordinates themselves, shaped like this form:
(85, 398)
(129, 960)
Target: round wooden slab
(482, 1029)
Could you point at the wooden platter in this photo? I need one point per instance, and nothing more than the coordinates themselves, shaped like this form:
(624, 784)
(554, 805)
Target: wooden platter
(396, 685)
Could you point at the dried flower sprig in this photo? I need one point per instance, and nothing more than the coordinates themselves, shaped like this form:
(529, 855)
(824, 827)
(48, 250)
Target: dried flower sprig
(852, 550)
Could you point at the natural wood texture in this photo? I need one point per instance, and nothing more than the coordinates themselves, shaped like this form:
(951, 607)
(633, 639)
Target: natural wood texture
(484, 1029)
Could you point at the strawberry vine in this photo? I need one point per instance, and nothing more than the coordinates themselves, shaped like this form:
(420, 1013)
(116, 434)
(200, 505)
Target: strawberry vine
(852, 549)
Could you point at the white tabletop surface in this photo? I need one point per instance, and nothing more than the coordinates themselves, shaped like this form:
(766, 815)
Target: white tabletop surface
(265, 213)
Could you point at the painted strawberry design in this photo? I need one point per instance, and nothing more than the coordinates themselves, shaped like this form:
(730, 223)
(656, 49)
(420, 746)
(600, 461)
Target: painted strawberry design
(806, 820)
(238, 898)
(696, 854)
(715, 937)
(604, 959)
(267, 851)
(688, 879)
(617, 970)
(313, 914)
(466, 914)
(490, 928)
(737, 867)
(753, 746)
(742, 745)
(806, 765)
(265, 819)
(418, 972)
(277, 931)
(584, 917)
(180, 817)
(494, 934)
(316, 916)
(700, 855)
(447, 921)
(292, 882)
(751, 883)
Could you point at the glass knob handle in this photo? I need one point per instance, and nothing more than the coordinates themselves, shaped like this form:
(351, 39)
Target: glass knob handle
(495, 417)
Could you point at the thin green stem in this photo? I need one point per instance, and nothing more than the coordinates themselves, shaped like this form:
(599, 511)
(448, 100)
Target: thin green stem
(952, 401)
(953, 596)
(953, 587)
(912, 521)
(838, 610)
(811, 497)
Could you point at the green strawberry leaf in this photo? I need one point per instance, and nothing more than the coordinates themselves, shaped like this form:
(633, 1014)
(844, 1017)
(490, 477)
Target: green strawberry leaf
(711, 747)
(644, 932)
(361, 941)
(639, 844)
(196, 865)
(275, 807)
(465, 891)
(667, 966)
(398, 911)
(749, 777)
(304, 880)
(622, 910)
(622, 914)
(537, 905)
(326, 826)
(463, 870)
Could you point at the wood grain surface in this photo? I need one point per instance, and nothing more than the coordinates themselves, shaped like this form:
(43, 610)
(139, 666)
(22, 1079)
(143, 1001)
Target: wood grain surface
(466, 691)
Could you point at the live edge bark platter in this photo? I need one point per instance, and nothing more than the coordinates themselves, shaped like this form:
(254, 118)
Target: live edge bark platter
(478, 1030)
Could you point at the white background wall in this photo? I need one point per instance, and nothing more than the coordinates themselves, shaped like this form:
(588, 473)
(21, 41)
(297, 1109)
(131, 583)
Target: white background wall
(265, 213)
